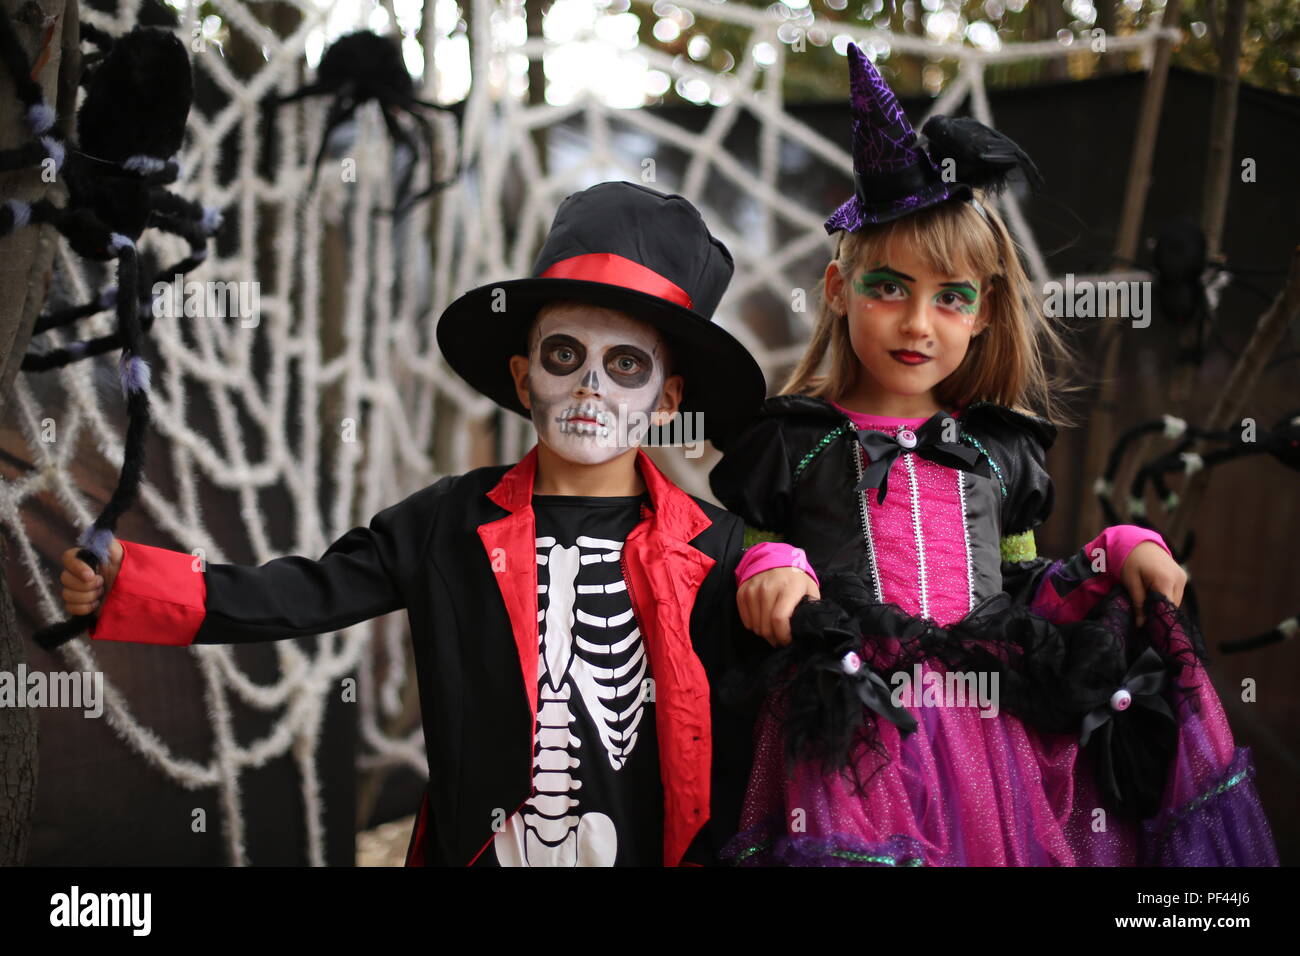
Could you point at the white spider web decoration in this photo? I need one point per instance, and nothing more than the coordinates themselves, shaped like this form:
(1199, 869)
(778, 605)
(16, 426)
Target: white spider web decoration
(382, 379)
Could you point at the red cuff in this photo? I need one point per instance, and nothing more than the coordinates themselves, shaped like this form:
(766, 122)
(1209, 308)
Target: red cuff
(157, 598)
(767, 555)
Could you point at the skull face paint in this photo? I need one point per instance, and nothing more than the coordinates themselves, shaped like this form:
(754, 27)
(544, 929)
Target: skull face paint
(585, 364)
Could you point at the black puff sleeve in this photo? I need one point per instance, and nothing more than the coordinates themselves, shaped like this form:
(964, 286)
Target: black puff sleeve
(753, 479)
(1030, 493)
(1017, 443)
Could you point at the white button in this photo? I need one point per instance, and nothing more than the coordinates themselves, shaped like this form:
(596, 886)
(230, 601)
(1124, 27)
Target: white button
(907, 438)
(851, 662)
(1120, 699)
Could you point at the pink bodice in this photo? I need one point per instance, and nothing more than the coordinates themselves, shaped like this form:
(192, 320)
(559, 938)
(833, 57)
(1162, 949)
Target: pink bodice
(922, 556)
(921, 552)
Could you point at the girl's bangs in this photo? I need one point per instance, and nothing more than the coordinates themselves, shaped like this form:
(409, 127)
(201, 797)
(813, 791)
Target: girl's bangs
(944, 237)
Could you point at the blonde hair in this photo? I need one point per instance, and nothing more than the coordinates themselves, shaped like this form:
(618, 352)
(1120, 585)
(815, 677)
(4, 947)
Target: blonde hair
(1009, 363)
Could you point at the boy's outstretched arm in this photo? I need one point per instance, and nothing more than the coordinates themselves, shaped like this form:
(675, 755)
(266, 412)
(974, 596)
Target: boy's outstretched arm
(157, 596)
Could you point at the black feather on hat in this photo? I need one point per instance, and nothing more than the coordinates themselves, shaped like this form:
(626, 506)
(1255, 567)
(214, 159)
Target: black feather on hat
(895, 176)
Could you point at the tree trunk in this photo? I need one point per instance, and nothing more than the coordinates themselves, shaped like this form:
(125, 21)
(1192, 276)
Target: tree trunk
(1101, 435)
(1223, 122)
(1218, 177)
(1108, 23)
(1049, 20)
(49, 32)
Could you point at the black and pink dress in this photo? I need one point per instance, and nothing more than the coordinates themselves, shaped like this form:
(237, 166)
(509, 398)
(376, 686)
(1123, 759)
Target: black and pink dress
(947, 559)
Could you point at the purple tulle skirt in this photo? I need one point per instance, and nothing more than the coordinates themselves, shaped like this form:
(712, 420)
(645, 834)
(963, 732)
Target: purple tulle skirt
(971, 790)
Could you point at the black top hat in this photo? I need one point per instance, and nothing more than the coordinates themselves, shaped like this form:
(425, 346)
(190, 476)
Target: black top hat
(626, 247)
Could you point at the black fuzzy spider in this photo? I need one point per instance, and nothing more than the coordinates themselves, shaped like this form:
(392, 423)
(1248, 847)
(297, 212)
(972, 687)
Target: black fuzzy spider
(1282, 442)
(364, 66)
(129, 128)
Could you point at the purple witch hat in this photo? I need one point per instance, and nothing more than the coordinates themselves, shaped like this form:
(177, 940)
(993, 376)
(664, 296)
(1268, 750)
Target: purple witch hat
(893, 176)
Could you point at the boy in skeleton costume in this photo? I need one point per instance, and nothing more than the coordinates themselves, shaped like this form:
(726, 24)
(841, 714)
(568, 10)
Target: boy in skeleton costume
(567, 612)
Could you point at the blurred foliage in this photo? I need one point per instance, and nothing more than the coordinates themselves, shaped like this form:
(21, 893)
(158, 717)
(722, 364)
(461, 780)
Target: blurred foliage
(1270, 45)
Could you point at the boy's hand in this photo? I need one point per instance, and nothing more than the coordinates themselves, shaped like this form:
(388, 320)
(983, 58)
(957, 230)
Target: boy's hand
(83, 590)
(1149, 567)
(767, 600)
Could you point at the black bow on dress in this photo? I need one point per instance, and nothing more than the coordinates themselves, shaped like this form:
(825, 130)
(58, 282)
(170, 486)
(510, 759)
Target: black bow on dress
(882, 448)
(1144, 681)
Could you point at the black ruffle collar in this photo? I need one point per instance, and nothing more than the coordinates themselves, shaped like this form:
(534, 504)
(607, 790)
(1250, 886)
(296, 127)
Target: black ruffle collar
(974, 413)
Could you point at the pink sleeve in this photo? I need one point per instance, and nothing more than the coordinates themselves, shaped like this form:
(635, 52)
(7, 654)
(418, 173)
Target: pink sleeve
(1118, 540)
(767, 555)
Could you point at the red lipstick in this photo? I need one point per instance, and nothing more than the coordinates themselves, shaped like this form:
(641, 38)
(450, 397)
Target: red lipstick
(909, 358)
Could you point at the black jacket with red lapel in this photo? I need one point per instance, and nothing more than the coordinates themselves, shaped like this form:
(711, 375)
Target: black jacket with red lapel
(460, 556)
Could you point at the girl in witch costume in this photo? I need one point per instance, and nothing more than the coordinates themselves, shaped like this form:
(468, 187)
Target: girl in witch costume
(567, 612)
(943, 695)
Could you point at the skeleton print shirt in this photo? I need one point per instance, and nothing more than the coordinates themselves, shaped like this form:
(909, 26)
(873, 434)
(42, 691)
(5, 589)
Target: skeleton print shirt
(599, 798)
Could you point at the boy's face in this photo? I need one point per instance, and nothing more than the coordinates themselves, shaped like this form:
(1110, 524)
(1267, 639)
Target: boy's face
(591, 376)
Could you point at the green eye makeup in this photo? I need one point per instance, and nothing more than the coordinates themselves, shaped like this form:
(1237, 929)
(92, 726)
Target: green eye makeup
(968, 293)
(868, 285)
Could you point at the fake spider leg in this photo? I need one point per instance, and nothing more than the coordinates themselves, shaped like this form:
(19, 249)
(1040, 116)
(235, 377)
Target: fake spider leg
(1171, 427)
(72, 352)
(193, 233)
(428, 191)
(457, 110)
(14, 215)
(339, 114)
(74, 313)
(23, 157)
(168, 275)
(92, 239)
(170, 172)
(100, 38)
(1150, 473)
(435, 185)
(194, 224)
(402, 138)
(184, 217)
(312, 90)
(44, 211)
(153, 170)
(1181, 459)
(107, 299)
(134, 370)
(1284, 631)
(448, 108)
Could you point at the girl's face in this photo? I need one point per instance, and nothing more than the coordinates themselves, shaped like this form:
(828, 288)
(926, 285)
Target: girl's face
(909, 327)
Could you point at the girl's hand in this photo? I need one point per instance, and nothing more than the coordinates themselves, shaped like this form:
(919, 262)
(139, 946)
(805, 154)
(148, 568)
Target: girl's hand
(83, 589)
(1149, 567)
(767, 600)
